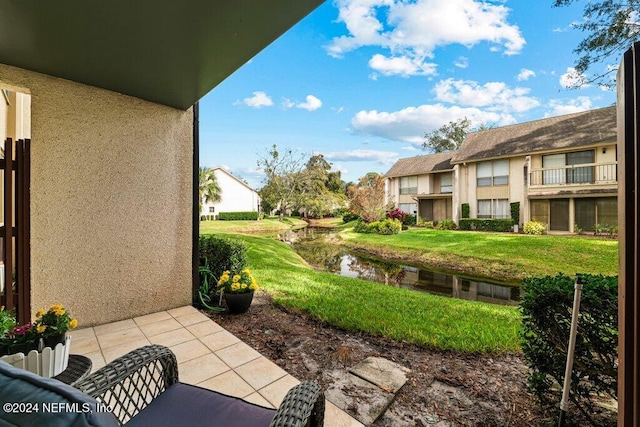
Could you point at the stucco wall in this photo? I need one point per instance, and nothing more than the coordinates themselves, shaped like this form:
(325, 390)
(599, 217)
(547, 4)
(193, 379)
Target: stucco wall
(111, 189)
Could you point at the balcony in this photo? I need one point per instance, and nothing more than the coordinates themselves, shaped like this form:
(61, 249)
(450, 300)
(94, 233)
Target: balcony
(582, 174)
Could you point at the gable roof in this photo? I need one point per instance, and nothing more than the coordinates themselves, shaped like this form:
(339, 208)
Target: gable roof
(220, 168)
(420, 165)
(555, 133)
(166, 51)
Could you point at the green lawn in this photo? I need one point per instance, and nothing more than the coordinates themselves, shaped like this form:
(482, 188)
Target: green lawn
(502, 256)
(270, 224)
(399, 314)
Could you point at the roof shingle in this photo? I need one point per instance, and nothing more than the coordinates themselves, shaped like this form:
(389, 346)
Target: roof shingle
(555, 133)
(419, 165)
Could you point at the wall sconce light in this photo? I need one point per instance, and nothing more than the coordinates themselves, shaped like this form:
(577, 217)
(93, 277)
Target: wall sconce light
(604, 150)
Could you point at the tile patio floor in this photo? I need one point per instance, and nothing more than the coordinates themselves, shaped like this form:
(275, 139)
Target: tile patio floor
(208, 356)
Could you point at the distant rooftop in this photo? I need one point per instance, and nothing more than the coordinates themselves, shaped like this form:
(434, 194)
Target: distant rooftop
(419, 165)
(555, 133)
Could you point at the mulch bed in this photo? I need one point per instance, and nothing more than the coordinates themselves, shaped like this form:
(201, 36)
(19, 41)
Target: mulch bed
(443, 388)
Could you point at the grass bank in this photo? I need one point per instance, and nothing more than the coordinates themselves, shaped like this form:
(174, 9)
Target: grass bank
(399, 314)
(270, 224)
(502, 256)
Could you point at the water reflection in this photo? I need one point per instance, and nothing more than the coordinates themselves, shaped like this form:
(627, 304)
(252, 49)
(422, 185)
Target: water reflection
(315, 246)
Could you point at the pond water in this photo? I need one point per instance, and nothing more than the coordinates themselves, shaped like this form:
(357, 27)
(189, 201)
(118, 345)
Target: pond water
(314, 245)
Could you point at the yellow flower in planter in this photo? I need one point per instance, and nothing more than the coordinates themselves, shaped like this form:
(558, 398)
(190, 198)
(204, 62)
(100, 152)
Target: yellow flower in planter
(56, 307)
(40, 312)
(41, 328)
(73, 323)
(59, 312)
(237, 282)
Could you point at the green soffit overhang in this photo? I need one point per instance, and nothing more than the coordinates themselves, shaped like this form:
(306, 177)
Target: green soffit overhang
(171, 52)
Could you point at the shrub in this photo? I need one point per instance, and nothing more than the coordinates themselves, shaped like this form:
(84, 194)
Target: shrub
(515, 212)
(397, 214)
(349, 216)
(425, 224)
(546, 309)
(230, 216)
(389, 226)
(366, 227)
(409, 219)
(485, 224)
(535, 227)
(465, 210)
(219, 254)
(446, 224)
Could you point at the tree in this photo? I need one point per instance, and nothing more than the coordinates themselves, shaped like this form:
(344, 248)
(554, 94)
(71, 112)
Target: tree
(367, 198)
(612, 26)
(208, 189)
(448, 137)
(282, 180)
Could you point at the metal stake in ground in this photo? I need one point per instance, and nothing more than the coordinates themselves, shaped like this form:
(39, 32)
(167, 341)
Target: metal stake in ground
(570, 352)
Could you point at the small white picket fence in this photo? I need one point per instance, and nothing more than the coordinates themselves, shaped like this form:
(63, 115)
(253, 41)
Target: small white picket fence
(47, 363)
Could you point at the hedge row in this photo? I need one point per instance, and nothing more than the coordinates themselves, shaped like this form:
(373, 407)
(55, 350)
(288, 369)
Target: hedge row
(229, 216)
(546, 310)
(485, 224)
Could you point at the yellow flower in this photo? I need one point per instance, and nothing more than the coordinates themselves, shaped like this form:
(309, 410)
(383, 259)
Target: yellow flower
(235, 287)
(73, 323)
(243, 286)
(253, 286)
(41, 312)
(56, 307)
(60, 312)
(236, 278)
(41, 328)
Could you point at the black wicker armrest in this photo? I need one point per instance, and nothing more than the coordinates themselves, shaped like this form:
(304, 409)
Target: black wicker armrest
(129, 383)
(303, 406)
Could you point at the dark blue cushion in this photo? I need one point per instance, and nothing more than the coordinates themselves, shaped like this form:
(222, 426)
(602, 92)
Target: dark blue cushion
(57, 404)
(188, 405)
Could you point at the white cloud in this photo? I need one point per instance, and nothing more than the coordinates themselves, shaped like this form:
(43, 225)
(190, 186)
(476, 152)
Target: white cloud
(287, 103)
(381, 157)
(401, 65)
(411, 123)
(412, 31)
(258, 100)
(311, 104)
(558, 107)
(573, 79)
(409, 148)
(461, 62)
(495, 96)
(525, 74)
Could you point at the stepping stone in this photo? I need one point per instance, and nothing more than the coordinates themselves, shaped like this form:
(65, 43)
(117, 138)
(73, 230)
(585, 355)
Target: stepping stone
(357, 397)
(387, 375)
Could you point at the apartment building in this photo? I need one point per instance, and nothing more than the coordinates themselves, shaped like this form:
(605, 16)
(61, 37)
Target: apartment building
(562, 170)
(423, 185)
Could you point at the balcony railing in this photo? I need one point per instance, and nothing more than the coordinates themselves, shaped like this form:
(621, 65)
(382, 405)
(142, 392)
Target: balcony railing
(587, 174)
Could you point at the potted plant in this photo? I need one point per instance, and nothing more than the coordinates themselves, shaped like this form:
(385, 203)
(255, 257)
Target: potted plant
(238, 288)
(37, 340)
(52, 325)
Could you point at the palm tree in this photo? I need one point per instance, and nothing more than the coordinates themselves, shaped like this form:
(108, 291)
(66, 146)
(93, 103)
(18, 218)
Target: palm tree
(209, 190)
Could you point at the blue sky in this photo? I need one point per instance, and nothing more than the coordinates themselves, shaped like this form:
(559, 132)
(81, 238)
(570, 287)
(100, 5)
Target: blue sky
(361, 81)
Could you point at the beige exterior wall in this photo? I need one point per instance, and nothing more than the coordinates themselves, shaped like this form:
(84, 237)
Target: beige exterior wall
(111, 200)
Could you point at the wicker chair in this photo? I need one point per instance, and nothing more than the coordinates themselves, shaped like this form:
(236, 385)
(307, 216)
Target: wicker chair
(141, 388)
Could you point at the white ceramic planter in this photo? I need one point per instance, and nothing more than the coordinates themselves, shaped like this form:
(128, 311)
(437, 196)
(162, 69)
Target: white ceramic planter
(47, 363)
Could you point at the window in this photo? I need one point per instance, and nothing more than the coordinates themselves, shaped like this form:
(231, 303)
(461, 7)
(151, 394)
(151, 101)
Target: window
(493, 173)
(446, 183)
(212, 209)
(409, 208)
(590, 211)
(409, 185)
(557, 172)
(493, 208)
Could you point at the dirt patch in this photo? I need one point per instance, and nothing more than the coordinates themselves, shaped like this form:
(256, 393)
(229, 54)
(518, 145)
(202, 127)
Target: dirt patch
(443, 388)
